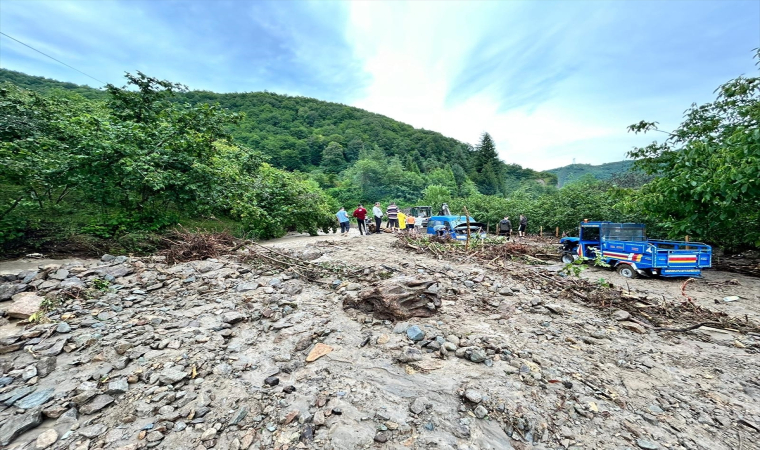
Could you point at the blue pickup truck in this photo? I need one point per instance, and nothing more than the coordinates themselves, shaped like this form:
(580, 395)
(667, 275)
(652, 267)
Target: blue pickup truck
(625, 247)
(456, 227)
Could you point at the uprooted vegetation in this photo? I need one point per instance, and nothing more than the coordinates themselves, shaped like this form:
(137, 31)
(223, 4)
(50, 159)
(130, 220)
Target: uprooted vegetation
(644, 311)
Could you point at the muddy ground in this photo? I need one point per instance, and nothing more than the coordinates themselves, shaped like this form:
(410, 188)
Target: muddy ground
(225, 354)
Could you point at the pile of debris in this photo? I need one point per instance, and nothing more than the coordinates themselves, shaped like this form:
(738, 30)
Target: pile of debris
(640, 310)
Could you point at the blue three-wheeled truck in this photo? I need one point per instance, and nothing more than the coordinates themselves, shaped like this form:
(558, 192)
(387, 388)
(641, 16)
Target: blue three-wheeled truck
(625, 247)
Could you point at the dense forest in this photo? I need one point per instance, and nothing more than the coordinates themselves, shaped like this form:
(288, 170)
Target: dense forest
(574, 172)
(121, 164)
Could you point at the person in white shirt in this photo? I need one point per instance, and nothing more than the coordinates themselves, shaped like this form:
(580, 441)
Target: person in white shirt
(377, 212)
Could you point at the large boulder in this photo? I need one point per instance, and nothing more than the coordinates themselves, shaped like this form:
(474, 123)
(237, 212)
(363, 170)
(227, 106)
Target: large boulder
(24, 305)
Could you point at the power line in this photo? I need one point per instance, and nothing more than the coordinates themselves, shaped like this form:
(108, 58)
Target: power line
(56, 60)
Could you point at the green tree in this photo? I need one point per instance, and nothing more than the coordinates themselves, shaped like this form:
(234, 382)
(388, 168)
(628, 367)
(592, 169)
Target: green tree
(333, 160)
(485, 152)
(707, 172)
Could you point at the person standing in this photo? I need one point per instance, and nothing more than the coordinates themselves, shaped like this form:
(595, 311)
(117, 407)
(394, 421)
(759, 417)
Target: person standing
(378, 214)
(392, 212)
(505, 226)
(401, 218)
(410, 223)
(523, 225)
(345, 225)
(361, 215)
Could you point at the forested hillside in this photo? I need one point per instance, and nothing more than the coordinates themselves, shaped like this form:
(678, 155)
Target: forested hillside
(327, 140)
(124, 163)
(573, 172)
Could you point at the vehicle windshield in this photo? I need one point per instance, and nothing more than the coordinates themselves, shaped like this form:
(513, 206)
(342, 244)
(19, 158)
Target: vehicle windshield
(624, 232)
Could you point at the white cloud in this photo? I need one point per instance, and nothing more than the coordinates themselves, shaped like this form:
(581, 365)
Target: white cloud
(557, 81)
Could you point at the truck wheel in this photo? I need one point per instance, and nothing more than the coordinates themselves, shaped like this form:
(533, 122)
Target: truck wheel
(567, 258)
(627, 271)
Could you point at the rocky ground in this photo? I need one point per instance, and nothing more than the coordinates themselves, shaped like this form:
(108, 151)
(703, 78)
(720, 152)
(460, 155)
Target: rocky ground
(134, 353)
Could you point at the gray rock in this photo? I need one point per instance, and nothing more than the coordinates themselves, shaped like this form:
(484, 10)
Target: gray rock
(400, 327)
(13, 396)
(473, 395)
(117, 271)
(415, 333)
(208, 434)
(29, 373)
(16, 425)
(46, 439)
(117, 386)
(223, 369)
(106, 315)
(7, 291)
(154, 436)
(107, 258)
(171, 376)
(34, 400)
(72, 282)
(63, 327)
(381, 437)
(647, 444)
(239, 416)
(705, 419)
(480, 412)
(478, 355)
(46, 366)
(621, 315)
(52, 350)
(60, 274)
(232, 317)
(419, 405)
(410, 354)
(244, 287)
(98, 403)
(24, 305)
(179, 426)
(93, 431)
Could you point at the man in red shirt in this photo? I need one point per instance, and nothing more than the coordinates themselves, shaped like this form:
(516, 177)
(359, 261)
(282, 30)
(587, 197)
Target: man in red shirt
(361, 214)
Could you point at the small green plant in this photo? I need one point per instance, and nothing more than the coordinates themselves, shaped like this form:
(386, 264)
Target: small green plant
(100, 284)
(573, 269)
(604, 283)
(49, 304)
(598, 258)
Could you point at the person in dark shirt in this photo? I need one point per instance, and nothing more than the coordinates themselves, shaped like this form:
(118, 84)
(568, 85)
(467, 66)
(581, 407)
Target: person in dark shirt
(523, 225)
(505, 227)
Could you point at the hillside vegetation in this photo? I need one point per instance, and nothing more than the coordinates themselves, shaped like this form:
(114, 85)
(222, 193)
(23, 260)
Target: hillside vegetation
(123, 163)
(573, 172)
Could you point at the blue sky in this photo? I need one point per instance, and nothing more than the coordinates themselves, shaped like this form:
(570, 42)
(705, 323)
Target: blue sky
(550, 80)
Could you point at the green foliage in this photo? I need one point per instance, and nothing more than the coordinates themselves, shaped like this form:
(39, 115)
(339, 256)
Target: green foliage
(136, 163)
(324, 139)
(708, 169)
(599, 258)
(573, 269)
(100, 284)
(607, 171)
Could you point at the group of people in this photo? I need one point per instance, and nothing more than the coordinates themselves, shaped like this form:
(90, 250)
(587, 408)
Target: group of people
(397, 220)
(505, 227)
